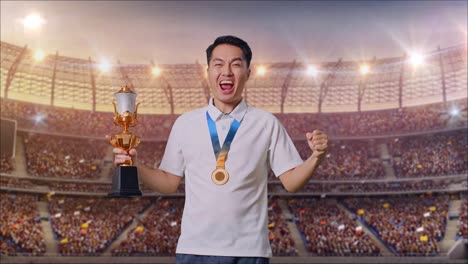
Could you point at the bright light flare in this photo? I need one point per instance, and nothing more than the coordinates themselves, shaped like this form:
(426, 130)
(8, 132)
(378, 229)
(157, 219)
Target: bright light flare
(261, 70)
(156, 71)
(416, 59)
(105, 66)
(33, 21)
(312, 70)
(39, 55)
(364, 69)
(39, 118)
(454, 112)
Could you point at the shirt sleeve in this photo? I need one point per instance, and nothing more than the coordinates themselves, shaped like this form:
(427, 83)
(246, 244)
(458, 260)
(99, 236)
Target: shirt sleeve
(173, 159)
(283, 155)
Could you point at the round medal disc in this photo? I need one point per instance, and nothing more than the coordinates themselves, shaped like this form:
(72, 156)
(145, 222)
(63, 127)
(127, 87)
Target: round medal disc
(220, 176)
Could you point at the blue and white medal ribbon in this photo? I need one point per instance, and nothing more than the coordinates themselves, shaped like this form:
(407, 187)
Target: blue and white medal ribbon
(220, 175)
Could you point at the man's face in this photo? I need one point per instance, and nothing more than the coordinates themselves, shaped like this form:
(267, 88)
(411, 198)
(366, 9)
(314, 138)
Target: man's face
(227, 73)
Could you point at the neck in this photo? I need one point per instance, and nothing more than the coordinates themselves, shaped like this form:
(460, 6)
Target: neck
(226, 107)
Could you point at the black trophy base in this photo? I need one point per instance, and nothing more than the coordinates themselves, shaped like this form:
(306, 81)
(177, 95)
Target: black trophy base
(125, 182)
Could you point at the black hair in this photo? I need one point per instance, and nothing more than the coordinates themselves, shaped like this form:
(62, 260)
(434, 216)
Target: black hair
(230, 40)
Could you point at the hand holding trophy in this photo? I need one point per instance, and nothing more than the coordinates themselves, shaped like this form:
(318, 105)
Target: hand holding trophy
(125, 179)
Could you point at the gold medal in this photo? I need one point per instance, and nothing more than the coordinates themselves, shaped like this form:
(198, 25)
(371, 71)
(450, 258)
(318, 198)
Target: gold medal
(220, 176)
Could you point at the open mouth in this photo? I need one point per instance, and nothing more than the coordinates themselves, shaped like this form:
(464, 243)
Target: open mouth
(226, 85)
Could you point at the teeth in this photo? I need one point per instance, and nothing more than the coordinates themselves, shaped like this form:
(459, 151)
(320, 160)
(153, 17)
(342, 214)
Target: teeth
(226, 82)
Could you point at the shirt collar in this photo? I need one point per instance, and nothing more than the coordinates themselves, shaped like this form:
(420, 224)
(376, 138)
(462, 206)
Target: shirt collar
(238, 112)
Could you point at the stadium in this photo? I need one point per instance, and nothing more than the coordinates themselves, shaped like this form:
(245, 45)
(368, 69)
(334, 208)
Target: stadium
(392, 188)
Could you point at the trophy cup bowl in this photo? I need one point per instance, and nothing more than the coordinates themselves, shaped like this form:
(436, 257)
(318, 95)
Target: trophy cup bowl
(125, 180)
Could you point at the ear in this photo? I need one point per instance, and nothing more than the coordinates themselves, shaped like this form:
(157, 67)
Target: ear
(248, 73)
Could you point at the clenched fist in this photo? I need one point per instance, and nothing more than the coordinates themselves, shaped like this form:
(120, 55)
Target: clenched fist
(318, 143)
(121, 156)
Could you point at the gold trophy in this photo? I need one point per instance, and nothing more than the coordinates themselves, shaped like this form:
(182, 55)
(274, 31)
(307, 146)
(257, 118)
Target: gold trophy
(125, 180)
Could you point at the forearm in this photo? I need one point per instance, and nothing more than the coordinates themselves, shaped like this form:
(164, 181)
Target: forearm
(295, 179)
(158, 180)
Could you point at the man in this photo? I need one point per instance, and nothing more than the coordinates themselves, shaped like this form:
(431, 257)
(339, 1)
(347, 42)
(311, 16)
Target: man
(225, 151)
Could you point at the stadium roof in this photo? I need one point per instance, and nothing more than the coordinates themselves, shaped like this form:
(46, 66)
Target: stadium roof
(286, 87)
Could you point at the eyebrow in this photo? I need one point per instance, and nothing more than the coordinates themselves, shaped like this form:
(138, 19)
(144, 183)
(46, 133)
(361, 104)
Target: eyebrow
(221, 60)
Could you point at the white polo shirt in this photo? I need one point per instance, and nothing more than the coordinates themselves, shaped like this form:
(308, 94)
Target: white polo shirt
(230, 219)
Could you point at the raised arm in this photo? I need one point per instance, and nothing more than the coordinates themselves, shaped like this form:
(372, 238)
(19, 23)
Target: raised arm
(294, 179)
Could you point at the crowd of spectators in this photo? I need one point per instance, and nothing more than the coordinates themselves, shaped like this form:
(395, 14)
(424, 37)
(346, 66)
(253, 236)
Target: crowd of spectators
(150, 153)
(156, 234)
(56, 119)
(412, 157)
(273, 187)
(6, 249)
(430, 155)
(346, 160)
(62, 186)
(45, 184)
(330, 231)
(69, 121)
(383, 122)
(410, 225)
(463, 219)
(6, 164)
(155, 126)
(278, 188)
(72, 158)
(88, 225)
(281, 241)
(102, 188)
(147, 190)
(13, 182)
(375, 187)
(365, 187)
(20, 227)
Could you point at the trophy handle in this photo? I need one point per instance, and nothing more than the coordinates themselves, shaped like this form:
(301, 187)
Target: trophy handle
(115, 122)
(116, 116)
(115, 108)
(136, 112)
(135, 116)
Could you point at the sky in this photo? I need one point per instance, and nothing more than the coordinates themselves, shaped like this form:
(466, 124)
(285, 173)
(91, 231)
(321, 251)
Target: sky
(136, 32)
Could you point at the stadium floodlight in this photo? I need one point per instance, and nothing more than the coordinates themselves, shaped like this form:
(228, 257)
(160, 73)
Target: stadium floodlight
(33, 21)
(155, 71)
(39, 55)
(104, 66)
(416, 59)
(455, 112)
(312, 70)
(38, 118)
(364, 69)
(261, 70)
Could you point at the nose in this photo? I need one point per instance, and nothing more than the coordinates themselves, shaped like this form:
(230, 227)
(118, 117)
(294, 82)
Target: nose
(226, 70)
